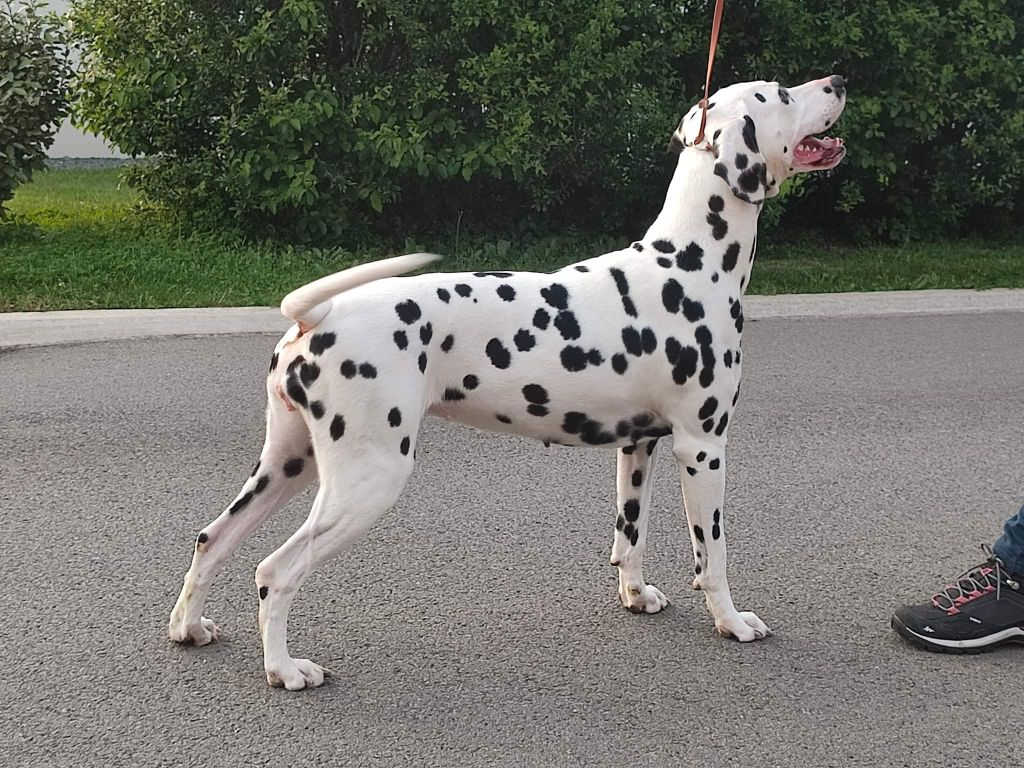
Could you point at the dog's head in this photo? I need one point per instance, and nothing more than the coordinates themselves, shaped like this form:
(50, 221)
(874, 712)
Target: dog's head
(762, 133)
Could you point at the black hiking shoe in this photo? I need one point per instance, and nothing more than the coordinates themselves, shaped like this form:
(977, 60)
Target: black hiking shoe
(984, 608)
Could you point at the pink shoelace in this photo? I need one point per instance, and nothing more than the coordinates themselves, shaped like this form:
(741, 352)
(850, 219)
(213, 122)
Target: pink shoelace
(970, 585)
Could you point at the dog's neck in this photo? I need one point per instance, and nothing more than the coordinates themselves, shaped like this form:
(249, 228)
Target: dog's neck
(686, 211)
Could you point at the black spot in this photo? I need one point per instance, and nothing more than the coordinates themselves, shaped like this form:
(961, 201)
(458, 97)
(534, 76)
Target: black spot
(367, 371)
(470, 381)
(537, 410)
(631, 510)
(619, 363)
(714, 464)
(499, 356)
(714, 277)
(701, 456)
(524, 340)
(672, 295)
(319, 342)
(574, 358)
(690, 258)
(732, 254)
(502, 418)
(296, 392)
(556, 295)
(620, 280)
(264, 591)
(401, 340)
(594, 357)
(662, 261)
(492, 274)
(638, 246)
(759, 97)
(722, 423)
(716, 529)
(629, 306)
(295, 363)
(454, 394)
(255, 469)
(699, 533)
(535, 393)
(741, 160)
(293, 467)
(565, 322)
(638, 478)
(736, 310)
(719, 226)
(426, 333)
(629, 531)
(348, 369)
(707, 410)
(395, 417)
(648, 341)
(202, 538)
(463, 290)
(752, 178)
(654, 443)
(631, 338)
(541, 318)
(404, 447)
(506, 292)
(422, 362)
(784, 96)
(683, 360)
(750, 134)
(446, 345)
(443, 295)
(691, 471)
(665, 246)
(628, 449)
(716, 203)
(581, 268)
(708, 425)
(590, 431)
(337, 426)
(408, 311)
(261, 483)
(273, 361)
(317, 409)
(727, 358)
(240, 503)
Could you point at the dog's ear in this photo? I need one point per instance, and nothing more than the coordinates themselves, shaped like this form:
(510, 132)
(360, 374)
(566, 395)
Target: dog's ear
(739, 161)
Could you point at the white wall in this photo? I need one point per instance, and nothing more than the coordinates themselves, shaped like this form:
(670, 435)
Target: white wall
(71, 142)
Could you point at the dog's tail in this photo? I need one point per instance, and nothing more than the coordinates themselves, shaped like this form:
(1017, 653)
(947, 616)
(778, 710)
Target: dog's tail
(309, 304)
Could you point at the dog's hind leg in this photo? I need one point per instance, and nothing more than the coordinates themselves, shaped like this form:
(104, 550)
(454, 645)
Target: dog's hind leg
(634, 480)
(363, 481)
(286, 466)
(702, 469)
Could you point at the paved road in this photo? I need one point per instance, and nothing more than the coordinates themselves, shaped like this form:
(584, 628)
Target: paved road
(477, 625)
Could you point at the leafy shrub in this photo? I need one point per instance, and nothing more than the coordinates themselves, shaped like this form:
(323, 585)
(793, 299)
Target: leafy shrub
(34, 73)
(329, 119)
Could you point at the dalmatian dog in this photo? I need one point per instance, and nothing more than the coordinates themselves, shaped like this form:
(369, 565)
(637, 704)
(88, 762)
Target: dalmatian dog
(615, 351)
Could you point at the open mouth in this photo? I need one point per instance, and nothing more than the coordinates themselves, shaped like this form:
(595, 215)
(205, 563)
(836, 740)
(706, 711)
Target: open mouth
(821, 153)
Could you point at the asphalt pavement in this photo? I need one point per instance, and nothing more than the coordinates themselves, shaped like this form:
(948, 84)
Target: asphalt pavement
(477, 624)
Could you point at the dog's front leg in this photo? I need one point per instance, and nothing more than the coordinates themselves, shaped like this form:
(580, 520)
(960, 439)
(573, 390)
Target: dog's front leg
(634, 480)
(702, 468)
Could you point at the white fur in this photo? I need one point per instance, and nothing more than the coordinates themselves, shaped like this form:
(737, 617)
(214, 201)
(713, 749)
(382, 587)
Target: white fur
(599, 375)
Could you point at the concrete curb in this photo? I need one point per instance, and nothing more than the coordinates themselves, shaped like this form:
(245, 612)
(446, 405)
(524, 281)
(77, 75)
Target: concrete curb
(30, 329)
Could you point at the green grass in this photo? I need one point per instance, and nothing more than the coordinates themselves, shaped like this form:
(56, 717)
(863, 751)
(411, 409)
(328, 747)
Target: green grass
(76, 243)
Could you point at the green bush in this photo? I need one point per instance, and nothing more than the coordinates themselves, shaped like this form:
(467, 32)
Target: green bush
(34, 74)
(329, 119)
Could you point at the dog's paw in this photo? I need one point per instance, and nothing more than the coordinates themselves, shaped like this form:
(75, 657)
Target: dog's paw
(643, 599)
(698, 582)
(203, 633)
(744, 626)
(296, 674)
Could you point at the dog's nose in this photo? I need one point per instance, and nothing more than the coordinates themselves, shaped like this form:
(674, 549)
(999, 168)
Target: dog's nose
(837, 85)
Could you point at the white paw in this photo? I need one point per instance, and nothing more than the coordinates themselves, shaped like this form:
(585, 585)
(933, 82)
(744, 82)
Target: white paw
(744, 626)
(203, 633)
(646, 599)
(296, 674)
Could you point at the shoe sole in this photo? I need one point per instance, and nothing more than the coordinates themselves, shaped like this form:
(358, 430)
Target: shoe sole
(901, 629)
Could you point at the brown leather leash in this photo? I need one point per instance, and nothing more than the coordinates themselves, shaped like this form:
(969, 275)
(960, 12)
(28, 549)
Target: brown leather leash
(716, 25)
